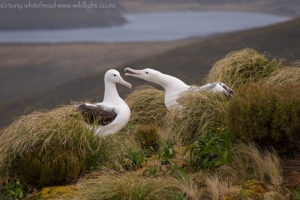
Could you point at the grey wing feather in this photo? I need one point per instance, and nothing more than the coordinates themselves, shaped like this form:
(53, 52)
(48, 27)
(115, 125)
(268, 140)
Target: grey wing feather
(228, 90)
(211, 86)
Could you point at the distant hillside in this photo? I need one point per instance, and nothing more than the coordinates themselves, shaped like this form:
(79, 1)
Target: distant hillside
(190, 63)
(27, 69)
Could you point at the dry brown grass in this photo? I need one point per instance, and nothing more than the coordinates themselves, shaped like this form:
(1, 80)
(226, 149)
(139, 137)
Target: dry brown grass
(114, 186)
(241, 67)
(249, 162)
(217, 188)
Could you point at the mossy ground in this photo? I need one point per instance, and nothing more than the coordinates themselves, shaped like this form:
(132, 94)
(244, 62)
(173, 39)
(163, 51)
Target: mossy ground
(55, 192)
(148, 159)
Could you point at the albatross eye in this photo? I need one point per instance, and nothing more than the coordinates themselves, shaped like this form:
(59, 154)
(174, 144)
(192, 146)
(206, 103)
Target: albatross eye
(147, 72)
(115, 75)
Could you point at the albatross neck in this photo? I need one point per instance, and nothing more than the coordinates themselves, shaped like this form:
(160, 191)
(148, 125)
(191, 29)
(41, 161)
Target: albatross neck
(171, 83)
(111, 94)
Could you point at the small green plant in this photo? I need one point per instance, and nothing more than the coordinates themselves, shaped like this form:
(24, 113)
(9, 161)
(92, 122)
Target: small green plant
(297, 194)
(166, 152)
(151, 171)
(210, 151)
(180, 196)
(14, 189)
(133, 160)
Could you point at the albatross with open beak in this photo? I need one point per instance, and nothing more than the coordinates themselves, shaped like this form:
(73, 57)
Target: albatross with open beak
(110, 115)
(173, 86)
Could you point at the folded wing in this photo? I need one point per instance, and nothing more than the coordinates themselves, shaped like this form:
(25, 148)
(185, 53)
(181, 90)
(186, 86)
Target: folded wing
(96, 114)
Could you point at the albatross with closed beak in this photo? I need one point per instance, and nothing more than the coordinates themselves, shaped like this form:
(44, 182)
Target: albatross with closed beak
(113, 113)
(174, 87)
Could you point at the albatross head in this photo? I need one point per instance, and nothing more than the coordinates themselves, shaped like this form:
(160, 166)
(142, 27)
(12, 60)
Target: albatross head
(147, 74)
(166, 81)
(114, 77)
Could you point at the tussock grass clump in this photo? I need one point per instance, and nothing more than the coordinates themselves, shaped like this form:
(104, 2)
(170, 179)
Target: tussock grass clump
(147, 106)
(268, 115)
(201, 112)
(130, 186)
(241, 67)
(53, 147)
(286, 75)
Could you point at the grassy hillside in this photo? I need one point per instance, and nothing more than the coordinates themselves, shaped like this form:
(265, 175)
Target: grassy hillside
(27, 69)
(214, 148)
(191, 63)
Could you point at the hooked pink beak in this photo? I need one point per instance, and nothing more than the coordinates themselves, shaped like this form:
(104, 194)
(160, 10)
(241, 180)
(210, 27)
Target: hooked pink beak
(134, 73)
(123, 82)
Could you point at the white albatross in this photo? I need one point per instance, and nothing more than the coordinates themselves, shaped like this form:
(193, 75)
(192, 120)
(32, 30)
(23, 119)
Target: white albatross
(113, 113)
(174, 87)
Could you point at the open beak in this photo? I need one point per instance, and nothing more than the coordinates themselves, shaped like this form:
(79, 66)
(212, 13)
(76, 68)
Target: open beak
(134, 73)
(123, 82)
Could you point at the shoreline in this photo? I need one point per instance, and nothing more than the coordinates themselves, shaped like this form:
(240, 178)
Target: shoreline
(195, 24)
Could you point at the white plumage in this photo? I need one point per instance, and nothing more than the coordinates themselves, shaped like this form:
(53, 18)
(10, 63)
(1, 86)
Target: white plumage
(174, 87)
(113, 113)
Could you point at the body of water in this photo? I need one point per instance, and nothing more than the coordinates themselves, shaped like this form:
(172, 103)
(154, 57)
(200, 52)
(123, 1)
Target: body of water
(150, 27)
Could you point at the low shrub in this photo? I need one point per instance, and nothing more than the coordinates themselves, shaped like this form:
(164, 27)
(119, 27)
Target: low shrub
(268, 115)
(241, 67)
(210, 151)
(147, 136)
(54, 147)
(130, 186)
(201, 112)
(147, 106)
